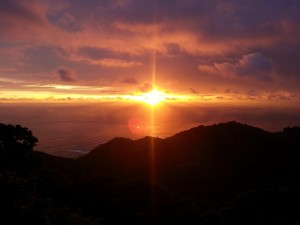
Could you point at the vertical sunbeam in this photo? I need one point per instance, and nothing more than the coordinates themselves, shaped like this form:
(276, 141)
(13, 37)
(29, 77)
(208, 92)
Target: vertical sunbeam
(154, 61)
(152, 120)
(152, 166)
(154, 45)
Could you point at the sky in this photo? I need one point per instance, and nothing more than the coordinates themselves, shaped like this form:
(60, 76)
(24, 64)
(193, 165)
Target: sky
(208, 50)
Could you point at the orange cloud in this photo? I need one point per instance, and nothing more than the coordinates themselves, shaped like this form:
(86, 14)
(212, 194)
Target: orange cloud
(114, 63)
(104, 62)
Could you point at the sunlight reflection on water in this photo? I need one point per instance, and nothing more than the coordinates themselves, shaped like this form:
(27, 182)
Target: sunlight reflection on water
(66, 129)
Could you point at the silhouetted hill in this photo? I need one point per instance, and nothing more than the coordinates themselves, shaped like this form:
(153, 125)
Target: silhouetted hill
(228, 173)
(200, 155)
(209, 164)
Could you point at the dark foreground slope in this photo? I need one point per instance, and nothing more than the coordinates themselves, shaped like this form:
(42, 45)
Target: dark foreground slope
(228, 173)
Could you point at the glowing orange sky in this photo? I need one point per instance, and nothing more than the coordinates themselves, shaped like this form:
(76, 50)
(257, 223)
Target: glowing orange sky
(197, 50)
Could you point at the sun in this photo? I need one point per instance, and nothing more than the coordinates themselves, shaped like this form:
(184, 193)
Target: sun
(154, 97)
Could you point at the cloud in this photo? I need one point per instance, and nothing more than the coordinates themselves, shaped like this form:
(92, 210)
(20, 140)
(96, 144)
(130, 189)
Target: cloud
(66, 21)
(19, 18)
(146, 87)
(66, 75)
(281, 95)
(113, 62)
(252, 65)
(207, 69)
(249, 66)
(193, 91)
(17, 9)
(7, 70)
(129, 80)
(206, 20)
(195, 27)
(105, 39)
(174, 49)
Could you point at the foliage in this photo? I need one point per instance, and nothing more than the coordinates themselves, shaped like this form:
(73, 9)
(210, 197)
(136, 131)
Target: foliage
(223, 174)
(16, 137)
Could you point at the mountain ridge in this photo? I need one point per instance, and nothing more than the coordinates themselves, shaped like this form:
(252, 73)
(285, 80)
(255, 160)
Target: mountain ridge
(219, 149)
(227, 173)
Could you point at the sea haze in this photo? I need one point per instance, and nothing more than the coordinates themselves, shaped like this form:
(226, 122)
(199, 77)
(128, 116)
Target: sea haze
(73, 129)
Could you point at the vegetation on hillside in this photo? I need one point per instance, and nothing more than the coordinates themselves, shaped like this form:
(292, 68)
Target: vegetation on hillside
(228, 173)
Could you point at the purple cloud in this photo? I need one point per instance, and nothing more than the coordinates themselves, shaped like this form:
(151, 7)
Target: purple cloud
(66, 75)
(174, 49)
(16, 15)
(252, 65)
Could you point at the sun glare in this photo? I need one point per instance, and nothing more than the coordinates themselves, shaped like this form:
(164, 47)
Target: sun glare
(154, 97)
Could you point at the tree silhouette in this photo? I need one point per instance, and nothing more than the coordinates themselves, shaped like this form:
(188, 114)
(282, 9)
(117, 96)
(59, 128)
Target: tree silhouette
(16, 138)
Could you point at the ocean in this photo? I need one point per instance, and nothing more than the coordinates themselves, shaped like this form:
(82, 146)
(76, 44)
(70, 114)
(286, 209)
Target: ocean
(73, 129)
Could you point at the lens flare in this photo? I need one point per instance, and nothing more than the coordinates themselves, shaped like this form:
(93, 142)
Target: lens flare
(137, 126)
